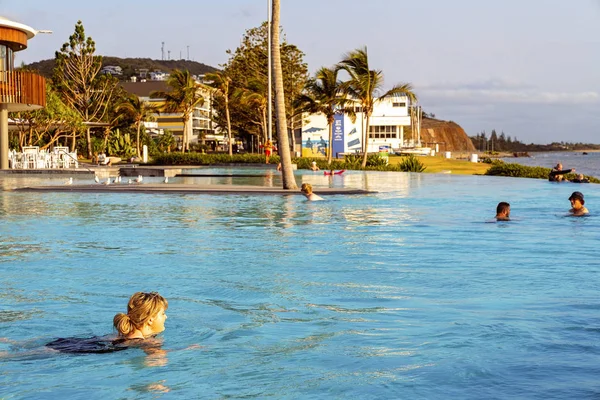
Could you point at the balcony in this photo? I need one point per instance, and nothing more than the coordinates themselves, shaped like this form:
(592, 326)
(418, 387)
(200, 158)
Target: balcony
(22, 91)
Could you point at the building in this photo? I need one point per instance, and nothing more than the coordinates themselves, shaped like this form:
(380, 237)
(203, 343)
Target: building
(113, 70)
(387, 124)
(201, 120)
(19, 90)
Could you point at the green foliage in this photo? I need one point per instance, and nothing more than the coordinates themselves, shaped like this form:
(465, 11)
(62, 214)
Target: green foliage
(210, 159)
(121, 146)
(411, 163)
(500, 168)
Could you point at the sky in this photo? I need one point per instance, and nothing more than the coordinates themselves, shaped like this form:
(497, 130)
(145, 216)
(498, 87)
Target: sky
(528, 68)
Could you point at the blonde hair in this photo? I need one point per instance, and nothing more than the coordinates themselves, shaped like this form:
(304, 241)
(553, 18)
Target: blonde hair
(141, 307)
(306, 188)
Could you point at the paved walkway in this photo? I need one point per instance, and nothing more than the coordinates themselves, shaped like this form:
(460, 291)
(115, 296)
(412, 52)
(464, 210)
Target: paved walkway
(178, 188)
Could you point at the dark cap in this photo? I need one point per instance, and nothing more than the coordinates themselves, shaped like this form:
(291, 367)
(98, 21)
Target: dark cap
(578, 196)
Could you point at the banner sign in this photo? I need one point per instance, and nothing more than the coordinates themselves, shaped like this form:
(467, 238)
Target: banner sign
(338, 134)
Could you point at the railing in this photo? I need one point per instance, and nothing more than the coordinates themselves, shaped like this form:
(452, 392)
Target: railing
(21, 87)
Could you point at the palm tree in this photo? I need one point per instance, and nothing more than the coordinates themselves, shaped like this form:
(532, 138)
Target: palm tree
(222, 84)
(365, 84)
(324, 95)
(287, 173)
(255, 96)
(140, 111)
(183, 98)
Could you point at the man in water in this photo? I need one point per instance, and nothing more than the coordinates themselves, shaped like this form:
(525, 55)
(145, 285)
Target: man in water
(503, 211)
(577, 204)
(580, 179)
(556, 175)
(314, 166)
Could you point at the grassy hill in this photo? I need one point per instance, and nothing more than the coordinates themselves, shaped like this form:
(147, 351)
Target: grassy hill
(130, 65)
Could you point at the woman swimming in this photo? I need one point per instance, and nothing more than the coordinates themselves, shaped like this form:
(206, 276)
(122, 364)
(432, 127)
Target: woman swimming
(145, 319)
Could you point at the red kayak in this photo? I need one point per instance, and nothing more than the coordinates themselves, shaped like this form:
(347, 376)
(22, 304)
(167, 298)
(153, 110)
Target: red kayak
(334, 172)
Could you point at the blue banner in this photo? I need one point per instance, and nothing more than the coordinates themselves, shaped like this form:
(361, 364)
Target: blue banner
(338, 134)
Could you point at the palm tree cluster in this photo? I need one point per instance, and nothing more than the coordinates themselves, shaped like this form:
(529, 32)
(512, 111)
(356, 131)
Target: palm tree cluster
(327, 94)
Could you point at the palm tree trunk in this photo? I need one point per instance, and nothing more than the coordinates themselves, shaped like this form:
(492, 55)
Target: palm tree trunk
(289, 182)
(330, 153)
(228, 125)
(139, 125)
(89, 142)
(366, 142)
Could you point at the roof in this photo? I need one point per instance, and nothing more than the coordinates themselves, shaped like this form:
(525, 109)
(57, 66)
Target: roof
(143, 89)
(29, 31)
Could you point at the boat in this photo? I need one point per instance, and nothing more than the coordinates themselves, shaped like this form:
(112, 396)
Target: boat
(419, 151)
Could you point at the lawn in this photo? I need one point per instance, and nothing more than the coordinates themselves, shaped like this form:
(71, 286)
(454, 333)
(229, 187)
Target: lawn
(439, 164)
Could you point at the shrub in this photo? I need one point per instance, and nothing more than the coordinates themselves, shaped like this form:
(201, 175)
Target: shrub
(411, 163)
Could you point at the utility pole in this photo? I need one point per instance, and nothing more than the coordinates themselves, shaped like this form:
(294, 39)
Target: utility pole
(162, 50)
(169, 54)
(188, 52)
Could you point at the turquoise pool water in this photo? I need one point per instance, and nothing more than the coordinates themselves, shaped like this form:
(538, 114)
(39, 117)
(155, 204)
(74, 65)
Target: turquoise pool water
(406, 293)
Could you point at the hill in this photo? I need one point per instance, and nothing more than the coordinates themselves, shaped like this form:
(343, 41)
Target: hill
(449, 135)
(131, 65)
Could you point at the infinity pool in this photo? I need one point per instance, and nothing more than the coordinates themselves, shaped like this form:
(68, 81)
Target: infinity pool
(406, 293)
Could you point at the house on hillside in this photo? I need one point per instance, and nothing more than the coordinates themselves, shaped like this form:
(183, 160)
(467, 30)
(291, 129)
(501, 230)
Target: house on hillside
(201, 120)
(114, 70)
(387, 127)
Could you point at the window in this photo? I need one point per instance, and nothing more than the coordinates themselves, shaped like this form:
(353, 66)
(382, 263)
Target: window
(383, 132)
(399, 104)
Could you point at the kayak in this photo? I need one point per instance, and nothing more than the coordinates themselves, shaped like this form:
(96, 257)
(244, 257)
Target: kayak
(334, 172)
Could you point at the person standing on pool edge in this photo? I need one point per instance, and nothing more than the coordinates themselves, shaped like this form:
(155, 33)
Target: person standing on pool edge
(145, 316)
(268, 149)
(577, 204)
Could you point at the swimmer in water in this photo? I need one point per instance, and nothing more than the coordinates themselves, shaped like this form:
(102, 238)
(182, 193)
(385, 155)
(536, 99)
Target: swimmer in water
(503, 211)
(144, 320)
(307, 191)
(556, 175)
(314, 166)
(577, 204)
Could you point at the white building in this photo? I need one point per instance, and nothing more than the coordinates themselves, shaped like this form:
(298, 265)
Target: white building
(112, 69)
(386, 130)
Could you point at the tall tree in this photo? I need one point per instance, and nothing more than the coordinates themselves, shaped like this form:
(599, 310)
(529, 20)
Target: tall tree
(364, 87)
(77, 78)
(46, 126)
(287, 173)
(140, 111)
(221, 82)
(325, 95)
(183, 97)
(247, 64)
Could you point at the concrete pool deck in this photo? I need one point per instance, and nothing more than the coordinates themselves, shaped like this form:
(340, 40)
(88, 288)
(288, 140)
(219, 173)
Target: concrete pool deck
(186, 189)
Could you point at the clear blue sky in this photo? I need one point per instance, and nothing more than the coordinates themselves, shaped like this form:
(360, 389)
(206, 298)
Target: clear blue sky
(528, 68)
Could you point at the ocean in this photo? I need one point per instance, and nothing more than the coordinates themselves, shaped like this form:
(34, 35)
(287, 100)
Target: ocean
(587, 164)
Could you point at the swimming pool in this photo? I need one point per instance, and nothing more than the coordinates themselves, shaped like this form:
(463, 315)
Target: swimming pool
(406, 293)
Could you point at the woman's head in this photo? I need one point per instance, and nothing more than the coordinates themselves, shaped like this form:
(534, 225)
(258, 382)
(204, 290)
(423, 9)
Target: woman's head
(306, 188)
(145, 312)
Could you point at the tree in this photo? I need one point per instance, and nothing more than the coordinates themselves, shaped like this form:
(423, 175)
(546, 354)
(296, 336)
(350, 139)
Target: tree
(365, 84)
(247, 66)
(287, 173)
(139, 111)
(223, 89)
(76, 78)
(325, 95)
(183, 98)
(46, 126)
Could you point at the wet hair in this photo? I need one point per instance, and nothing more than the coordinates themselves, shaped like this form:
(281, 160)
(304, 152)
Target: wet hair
(502, 208)
(141, 307)
(306, 188)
